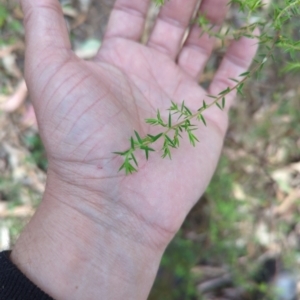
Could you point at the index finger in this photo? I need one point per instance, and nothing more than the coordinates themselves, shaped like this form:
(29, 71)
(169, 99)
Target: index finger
(127, 19)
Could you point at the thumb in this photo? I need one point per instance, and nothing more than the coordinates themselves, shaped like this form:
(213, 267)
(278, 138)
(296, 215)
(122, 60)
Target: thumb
(46, 31)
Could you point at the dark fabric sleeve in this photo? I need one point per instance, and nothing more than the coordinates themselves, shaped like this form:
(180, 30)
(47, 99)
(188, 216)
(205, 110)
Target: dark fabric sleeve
(16, 286)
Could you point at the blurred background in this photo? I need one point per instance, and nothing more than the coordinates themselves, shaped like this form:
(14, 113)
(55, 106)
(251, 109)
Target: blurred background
(242, 239)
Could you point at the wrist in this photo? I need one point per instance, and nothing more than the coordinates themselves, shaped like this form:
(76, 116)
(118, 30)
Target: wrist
(75, 250)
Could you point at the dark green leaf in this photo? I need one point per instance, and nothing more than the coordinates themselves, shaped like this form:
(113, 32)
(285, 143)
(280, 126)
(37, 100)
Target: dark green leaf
(166, 151)
(155, 138)
(226, 91)
(171, 143)
(180, 116)
(138, 137)
(134, 159)
(121, 153)
(170, 121)
(188, 111)
(174, 106)
(223, 102)
(176, 139)
(240, 88)
(244, 74)
(219, 105)
(147, 148)
(211, 96)
(122, 167)
(147, 153)
(152, 121)
(182, 106)
(132, 143)
(203, 119)
(158, 116)
(129, 169)
(192, 138)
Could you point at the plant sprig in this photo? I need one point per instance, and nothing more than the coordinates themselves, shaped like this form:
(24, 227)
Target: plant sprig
(173, 130)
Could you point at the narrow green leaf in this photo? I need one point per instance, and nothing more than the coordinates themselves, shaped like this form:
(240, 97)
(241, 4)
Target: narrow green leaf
(132, 143)
(167, 152)
(177, 132)
(129, 168)
(122, 167)
(192, 138)
(186, 125)
(155, 138)
(176, 142)
(219, 105)
(203, 120)
(138, 137)
(196, 138)
(226, 91)
(188, 111)
(212, 96)
(240, 88)
(134, 159)
(160, 121)
(176, 139)
(182, 106)
(174, 106)
(152, 121)
(171, 143)
(147, 153)
(223, 102)
(244, 74)
(147, 148)
(170, 121)
(121, 153)
(180, 116)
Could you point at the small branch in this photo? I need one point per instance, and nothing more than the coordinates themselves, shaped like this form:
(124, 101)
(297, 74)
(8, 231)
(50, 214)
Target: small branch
(130, 163)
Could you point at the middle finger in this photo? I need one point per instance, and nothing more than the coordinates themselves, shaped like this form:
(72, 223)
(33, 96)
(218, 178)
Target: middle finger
(170, 26)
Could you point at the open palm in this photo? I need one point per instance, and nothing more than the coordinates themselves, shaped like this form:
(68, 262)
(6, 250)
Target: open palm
(86, 110)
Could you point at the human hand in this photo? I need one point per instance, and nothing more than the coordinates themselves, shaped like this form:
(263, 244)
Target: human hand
(86, 110)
